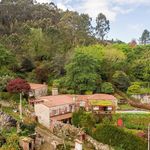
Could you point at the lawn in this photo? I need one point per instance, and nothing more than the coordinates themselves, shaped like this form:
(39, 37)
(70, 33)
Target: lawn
(9, 111)
(126, 107)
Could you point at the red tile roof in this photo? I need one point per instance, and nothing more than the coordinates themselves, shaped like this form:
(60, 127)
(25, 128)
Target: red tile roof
(35, 86)
(52, 101)
(96, 97)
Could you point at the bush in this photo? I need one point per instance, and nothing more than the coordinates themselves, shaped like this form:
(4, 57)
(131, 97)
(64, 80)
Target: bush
(2, 140)
(88, 92)
(107, 88)
(84, 120)
(76, 117)
(117, 137)
(27, 129)
(134, 89)
(12, 143)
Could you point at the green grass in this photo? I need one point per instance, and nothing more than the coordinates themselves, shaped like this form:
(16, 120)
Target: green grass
(9, 111)
(145, 91)
(133, 121)
(126, 107)
(133, 131)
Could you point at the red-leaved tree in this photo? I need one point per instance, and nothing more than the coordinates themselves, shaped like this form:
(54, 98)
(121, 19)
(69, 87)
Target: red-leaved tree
(19, 86)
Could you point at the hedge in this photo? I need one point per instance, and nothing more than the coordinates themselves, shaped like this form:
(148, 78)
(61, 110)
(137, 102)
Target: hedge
(117, 137)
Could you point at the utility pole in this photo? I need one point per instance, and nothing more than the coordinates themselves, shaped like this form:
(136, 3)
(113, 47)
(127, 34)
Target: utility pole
(21, 106)
(149, 136)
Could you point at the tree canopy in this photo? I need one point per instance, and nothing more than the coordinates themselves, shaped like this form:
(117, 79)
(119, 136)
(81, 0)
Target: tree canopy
(42, 43)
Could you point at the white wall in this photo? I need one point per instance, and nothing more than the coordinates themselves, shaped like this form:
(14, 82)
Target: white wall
(144, 98)
(42, 112)
(39, 92)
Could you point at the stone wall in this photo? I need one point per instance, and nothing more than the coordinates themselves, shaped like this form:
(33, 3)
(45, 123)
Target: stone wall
(44, 136)
(69, 131)
(6, 121)
(97, 145)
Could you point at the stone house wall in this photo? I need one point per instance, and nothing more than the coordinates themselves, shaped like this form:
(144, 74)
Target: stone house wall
(144, 98)
(39, 92)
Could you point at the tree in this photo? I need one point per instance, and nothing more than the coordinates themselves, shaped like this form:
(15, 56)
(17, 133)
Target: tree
(27, 65)
(19, 86)
(76, 117)
(121, 80)
(133, 43)
(134, 89)
(41, 74)
(102, 26)
(145, 38)
(107, 88)
(85, 120)
(6, 58)
(82, 73)
(113, 60)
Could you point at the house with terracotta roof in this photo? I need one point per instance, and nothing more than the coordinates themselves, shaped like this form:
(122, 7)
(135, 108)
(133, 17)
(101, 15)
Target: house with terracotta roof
(61, 107)
(38, 90)
(98, 103)
(56, 108)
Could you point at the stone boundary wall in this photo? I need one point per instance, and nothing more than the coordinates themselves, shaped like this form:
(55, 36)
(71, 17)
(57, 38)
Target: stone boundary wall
(60, 129)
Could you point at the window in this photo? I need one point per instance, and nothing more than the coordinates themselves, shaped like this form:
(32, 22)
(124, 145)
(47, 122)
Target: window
(109, 108)
(96, 108)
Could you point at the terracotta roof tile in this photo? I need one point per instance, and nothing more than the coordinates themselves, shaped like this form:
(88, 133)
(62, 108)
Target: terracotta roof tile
(96, 97)
(35, 86)
(52, 101)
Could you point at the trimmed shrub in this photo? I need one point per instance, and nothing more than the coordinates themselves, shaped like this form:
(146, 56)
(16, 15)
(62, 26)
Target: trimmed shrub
(117, 137)
(134, 89)
(27, 129)
(107, 88)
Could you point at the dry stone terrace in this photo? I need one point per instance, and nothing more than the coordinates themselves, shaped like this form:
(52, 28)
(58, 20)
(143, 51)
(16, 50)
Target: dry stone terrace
(71, 132)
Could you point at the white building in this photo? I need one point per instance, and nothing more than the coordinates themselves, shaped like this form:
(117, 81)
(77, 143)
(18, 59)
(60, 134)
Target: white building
(58, 108)
(38, 90)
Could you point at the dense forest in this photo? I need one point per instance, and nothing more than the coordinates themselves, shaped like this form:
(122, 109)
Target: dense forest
(42, 43)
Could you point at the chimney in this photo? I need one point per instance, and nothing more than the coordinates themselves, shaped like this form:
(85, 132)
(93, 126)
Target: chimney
(54, 91)
(74, 98)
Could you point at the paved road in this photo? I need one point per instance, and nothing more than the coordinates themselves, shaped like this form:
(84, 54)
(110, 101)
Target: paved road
(134, 112)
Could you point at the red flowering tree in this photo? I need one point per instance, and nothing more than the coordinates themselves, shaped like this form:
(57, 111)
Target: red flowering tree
(19, 86)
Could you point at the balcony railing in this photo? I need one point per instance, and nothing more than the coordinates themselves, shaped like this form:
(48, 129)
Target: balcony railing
(60, 112)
